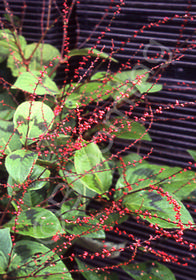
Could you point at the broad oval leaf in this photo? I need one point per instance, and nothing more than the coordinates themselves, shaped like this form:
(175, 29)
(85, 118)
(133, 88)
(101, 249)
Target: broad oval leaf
(19, 164)
(86, 93)
(9, 140)
(94, 90)
(30, 198)
(16, 65)
(137, 78)
(7, 114)
(193, 154)
(126, 129)
(162, 211)
(32, 119)
(7, 105)
(94, 173)
(36, 222)
(5, 245)
(73, 101)
(100, 75)
(69, 175)
(32, 82)
(125, 82)
(3, 262)
(143, 175)
(31, 257)
(129, 160)
(131, 75)
(90, 52)
(172, 179)
(117, 84)
(148, 87)
(8, 43)
(45, 58)
(148, 270)
(91, 273)
(38, 178)
(98, 246)
(86, 226)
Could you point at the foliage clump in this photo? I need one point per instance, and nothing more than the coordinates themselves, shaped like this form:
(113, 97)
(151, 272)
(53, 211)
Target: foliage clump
(64, 183)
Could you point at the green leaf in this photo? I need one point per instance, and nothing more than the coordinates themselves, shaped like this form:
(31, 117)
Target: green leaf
(36, 222)
(90, 52)
(181, 183)
(19, 164)
(7, 114)
(125, 81)
(5, 247)
(16, 65)
(73, 101)
(100, 76)
(140, 176)
(115, 86)
(37, 196)
(3, 262)
(138, 79)
(148, 87)
(130, 161)
(157, 204)
(9, 140)
(112, 219)
(7, 106)
(30, 259)
(85, 225)
(99, 246)
(89, 157)
(38, 177)
(148, 270)
(91, 273)
(8, 41)
(172, 179)
(131, 75)
(120, 88)
(32, 82)
(193, 154)
(94, 91)
(45, 58)
(73, 179)
(87, 93)
(127, 129)
(32, 119)
(192, 196)
(30, 198)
